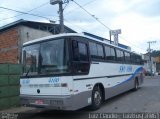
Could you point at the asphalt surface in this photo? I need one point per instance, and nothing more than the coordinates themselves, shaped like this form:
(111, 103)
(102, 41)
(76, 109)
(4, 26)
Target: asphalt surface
(146, 99)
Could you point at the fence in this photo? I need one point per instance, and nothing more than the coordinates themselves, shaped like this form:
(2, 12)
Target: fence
(10, 85)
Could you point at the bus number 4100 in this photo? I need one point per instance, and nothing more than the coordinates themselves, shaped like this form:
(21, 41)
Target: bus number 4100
(54, 80)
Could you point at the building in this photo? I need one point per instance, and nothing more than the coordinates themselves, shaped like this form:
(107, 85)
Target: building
(157, 59)
(148, 65)
(158, 64)
(13, 35)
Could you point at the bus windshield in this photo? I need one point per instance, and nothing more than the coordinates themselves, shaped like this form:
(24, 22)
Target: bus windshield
(49, 57)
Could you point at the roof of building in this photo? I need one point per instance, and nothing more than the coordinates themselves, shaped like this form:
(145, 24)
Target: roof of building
(50, 27)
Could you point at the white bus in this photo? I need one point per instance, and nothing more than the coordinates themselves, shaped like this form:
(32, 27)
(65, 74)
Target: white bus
(72, 71)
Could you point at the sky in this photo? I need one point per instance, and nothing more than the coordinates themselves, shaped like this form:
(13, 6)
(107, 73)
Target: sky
(139, 20)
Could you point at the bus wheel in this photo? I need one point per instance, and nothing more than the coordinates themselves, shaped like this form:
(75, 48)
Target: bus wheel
(96, 98)
(136, 84)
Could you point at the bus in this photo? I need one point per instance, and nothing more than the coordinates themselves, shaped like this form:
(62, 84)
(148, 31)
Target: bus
(72, 70)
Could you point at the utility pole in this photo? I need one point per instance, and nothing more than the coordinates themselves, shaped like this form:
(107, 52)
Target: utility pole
(61, 17)
(60, 2)
(150, 58)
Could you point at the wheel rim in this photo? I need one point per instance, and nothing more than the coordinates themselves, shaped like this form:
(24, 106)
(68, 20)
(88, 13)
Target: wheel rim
(97, 98)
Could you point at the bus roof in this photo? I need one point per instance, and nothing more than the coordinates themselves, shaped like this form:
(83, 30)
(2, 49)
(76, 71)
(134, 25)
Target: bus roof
(73, 34)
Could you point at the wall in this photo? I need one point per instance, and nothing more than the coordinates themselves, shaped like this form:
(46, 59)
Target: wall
(27, 34)
(158, 67)
(157, 59)
(9, 85)
(12, 39)
(9, 46)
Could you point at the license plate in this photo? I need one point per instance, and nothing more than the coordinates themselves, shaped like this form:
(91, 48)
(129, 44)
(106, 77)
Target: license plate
(39, 102)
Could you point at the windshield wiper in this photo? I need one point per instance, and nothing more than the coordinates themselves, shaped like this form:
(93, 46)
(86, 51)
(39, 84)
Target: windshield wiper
(28, 71)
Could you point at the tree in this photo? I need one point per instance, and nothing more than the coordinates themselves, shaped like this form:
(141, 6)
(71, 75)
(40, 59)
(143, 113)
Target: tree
(155, 53)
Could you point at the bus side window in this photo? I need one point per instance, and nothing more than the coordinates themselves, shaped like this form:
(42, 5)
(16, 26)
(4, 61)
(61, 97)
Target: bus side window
(110, 53)
(113, 53)
(133, 58)
(96, 51)
(75, 50)
(120, 55)
(80, 52)
(138, 59)
(127, 57)
(80, 57)
(100, 54)
(93, 50)
(83, 53)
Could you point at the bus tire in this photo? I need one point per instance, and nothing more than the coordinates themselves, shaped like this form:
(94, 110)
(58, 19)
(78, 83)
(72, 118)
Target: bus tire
(136, 84)
(96, 98)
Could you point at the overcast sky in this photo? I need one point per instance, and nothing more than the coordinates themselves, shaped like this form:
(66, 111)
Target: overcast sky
(139, 20)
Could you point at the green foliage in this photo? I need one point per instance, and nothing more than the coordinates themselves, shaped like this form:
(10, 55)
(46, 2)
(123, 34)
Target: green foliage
(155, 53)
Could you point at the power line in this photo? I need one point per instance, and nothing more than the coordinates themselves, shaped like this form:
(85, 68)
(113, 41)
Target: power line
(27, 11)
(42, 5)
(24, 12)
(65, 6)
(130, 43)
(100, 21)
(88, 3)
(65, 20)
(83, 5)
(38, 16)
(75, 25)
(35, 14)
(91, 14)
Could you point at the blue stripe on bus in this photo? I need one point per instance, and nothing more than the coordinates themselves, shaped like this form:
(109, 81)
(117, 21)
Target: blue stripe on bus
(132, 77)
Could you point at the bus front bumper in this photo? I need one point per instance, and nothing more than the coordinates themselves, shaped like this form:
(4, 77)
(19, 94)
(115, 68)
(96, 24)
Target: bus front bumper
(52, 102)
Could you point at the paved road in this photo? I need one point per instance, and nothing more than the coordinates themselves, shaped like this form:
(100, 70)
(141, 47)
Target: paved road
(146, 99)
